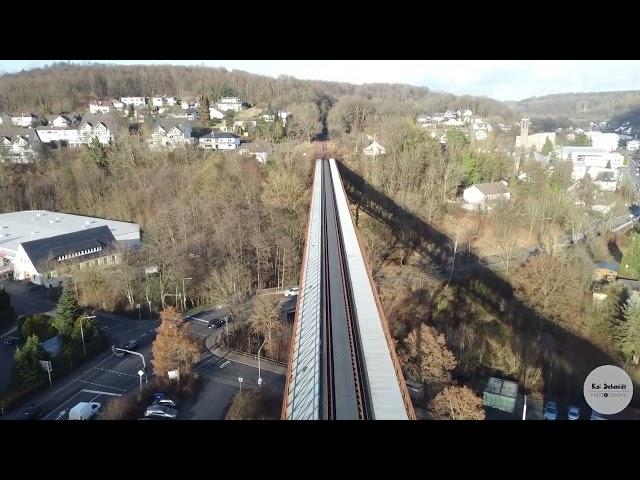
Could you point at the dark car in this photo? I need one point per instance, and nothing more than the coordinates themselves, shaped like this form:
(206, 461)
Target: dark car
(216, 323)
(31, 412)
(10, 340)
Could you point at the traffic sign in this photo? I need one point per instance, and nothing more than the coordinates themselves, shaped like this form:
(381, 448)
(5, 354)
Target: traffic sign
(140, 372)
(240, 379)
(46, 365)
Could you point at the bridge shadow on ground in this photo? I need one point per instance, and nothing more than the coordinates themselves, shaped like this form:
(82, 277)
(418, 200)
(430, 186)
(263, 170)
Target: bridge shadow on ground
(564, 358)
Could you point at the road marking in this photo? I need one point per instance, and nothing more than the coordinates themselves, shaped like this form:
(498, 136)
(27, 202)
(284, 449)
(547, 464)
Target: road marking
(225, 364)
(62, 404)
(101, 393)
(105, 386)
(142, 336)
(116, 372)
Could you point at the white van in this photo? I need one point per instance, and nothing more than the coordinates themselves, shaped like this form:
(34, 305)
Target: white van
(84, 411)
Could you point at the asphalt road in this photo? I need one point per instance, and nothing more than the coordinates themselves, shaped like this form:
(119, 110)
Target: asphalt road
(108, 376)
(27, 299)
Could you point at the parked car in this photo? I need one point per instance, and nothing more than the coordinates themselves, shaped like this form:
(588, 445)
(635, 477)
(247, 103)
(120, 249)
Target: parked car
(10, 340)
(161, 411)
(291, 292)
(573, 413)
(167, 401)
(551, 411)
(31, 412)
(217, 322)
(158, 396)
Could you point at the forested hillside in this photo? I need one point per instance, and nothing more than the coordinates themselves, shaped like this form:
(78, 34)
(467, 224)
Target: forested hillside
(65, 87)
(592, 106)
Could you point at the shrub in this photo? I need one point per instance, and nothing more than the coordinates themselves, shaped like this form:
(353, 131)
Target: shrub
(257, 404)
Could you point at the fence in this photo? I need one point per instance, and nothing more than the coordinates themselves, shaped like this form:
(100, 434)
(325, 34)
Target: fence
(255, 357)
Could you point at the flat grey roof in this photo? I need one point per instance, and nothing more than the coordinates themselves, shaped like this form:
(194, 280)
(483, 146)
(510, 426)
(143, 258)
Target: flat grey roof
(28, 225)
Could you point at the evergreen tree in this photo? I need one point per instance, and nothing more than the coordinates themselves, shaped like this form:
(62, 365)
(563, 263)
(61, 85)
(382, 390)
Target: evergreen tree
(278, 130)
(205, 117)
(26, 366)
(547, 148)
(68, 312)
(229, 117)
(97, 153)
(629, 331)
(610, 312)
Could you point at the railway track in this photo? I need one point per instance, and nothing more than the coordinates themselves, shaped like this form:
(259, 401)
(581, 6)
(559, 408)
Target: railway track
(343, 396)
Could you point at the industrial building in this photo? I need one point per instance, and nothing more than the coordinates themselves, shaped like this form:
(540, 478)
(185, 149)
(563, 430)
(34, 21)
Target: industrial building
(40, 244)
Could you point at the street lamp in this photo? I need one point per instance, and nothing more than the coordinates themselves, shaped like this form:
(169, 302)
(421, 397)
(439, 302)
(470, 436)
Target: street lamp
(184, 298)
(82, 331)
(259, 350)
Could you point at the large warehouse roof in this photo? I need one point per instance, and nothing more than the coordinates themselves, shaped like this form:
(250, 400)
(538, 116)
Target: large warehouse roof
(28, 225)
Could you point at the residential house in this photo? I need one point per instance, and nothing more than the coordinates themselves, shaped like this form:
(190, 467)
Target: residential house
(258, 149)
(171, 101)
(135, 101)
(453, 122)
(480, 135)
(606, 181)
(190, 114)
(157, 101)
(94, 129)
(60, 121)
(219, 141)
(91, 126)
(24, 119)
(100, 106)
(215, 113)
(189, 102)
(169, 134)
(117, 104)
(633, 145)
(484, 196)
(18, 145)
(374, 148)
(283, 116)
(230, 103)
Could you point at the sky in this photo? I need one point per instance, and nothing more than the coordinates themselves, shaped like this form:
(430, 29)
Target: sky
(500, 79)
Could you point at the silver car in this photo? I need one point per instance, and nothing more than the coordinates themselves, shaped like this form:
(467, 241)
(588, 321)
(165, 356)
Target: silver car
(161, 411)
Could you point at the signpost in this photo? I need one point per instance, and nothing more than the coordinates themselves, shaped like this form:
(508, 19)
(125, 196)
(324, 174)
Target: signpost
(240, 380)
(139, 314)
(140, 374)
(46, 365)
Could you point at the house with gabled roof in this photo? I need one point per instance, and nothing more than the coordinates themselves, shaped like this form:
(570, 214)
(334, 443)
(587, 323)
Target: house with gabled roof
(374, 148)
(100, 106)
(171, 134)
(24, 119)
(484, 196)
(259, 149)
(219, 141)
(18, 145)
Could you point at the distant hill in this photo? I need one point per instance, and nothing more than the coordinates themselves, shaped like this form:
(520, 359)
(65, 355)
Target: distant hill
(66, 87)
(577, 107)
